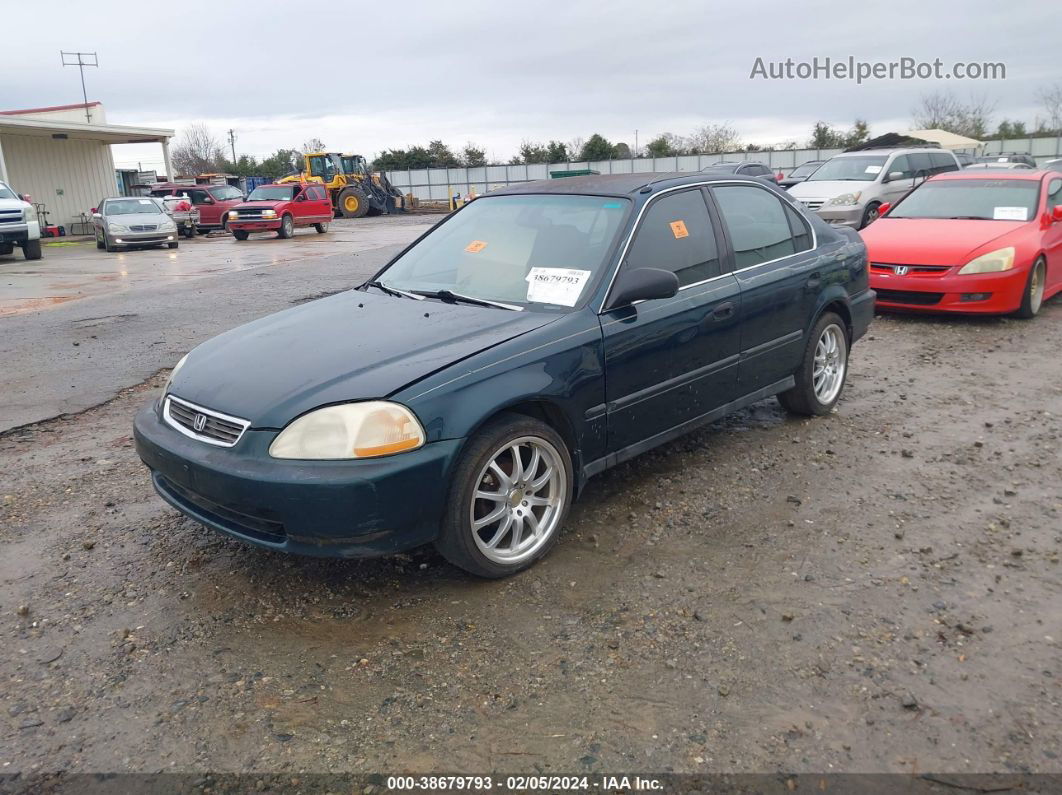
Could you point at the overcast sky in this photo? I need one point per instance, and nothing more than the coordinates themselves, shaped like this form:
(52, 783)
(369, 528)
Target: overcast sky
(369, 76)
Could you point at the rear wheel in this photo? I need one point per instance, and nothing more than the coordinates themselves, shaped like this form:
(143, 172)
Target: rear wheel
(1033, 297)
(509, 497)
(240, 234)
(189, 232)
(321, 228)
(821, 375)
(352, 203)
(287, 227)
(31, 249)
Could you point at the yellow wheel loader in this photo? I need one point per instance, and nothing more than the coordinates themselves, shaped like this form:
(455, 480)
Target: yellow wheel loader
(354, 190)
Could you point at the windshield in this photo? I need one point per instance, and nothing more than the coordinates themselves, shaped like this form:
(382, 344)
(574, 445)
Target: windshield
(544, 250)
(850, 169)
(271, 193)
(805, 170)
(226, 192)
(6, 192)
(982, 199)
(131, 207)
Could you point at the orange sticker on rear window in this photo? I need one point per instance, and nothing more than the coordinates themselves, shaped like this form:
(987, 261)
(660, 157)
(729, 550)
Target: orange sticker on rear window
(678, 229)
(475, 247)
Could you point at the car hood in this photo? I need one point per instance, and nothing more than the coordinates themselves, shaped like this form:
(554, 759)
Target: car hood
(931, 241)
(351, 346)
(138, 219)
(258, 205)
(826, 188)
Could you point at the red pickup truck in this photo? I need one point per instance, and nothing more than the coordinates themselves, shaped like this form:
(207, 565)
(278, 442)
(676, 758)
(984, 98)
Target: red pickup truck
(212, 201)
(283, 208)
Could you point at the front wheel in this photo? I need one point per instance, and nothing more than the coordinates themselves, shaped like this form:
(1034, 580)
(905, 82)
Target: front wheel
(321, 228)
(172, 245)
(287, 227)
(240, 234)
(1033, 297)
(870, 214)
(821, 375)
(509, 496)
(31, 249)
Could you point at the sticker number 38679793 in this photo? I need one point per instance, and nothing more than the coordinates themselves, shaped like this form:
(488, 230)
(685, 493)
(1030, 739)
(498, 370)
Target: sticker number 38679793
(561, 286)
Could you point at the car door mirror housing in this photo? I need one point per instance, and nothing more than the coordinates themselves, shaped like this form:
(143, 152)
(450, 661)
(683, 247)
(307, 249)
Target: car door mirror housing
(892, 176)
(642, 284)
(884, 208)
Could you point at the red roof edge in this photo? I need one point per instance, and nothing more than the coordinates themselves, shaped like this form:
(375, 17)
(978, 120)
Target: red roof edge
(53, 107)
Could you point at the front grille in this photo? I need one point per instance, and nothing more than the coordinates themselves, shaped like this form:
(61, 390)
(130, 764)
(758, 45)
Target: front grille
(912, 297)
(253, 215)
(813, 204)
(143, 227)
(247, 524)
(935, 270)
(10, 216)
(203, 424)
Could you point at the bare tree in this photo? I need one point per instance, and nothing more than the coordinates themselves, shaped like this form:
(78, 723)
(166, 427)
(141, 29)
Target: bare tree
(197, 152)
(313, 145)
(942, 110)
(715, 139)
(1051, 99)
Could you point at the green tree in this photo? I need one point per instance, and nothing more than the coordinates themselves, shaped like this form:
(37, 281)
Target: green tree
(823, 136)
(597, 147)
(472, 156)
(557, 152)
(859, 133)
(441, 156)
(532, 153)
(1011, 129)
(666, 145)
(280, 164)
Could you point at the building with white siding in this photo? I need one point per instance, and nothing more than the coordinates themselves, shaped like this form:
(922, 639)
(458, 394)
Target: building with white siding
(61, 156)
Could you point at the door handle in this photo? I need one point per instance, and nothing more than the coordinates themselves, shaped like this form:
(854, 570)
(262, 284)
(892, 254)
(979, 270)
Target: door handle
(723, 311)
(814, 281)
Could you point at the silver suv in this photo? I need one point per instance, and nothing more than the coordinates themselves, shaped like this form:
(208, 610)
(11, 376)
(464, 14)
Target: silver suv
(849, 189)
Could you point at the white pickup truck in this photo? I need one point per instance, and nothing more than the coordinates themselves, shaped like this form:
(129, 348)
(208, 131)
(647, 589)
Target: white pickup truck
(18, 225)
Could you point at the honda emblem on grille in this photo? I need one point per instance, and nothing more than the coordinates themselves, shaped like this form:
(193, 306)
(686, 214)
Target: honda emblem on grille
(901, 270)
(199, 423)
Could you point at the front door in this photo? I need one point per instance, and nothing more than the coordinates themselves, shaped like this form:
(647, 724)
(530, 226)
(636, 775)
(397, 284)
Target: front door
(1053, 235)
(672, 360)
(209, 212)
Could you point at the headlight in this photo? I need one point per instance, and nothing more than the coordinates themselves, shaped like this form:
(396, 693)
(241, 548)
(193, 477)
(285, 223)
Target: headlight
(116, 228)
(993, 262)
(844, 200)
(269, 213)
(27, 213)
(352, 430)
(173, 372)
(168, 226)
(233, 215)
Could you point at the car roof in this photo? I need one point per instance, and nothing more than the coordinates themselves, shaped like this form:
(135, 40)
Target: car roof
(620, 184)
(890, 150)
(1003, 173)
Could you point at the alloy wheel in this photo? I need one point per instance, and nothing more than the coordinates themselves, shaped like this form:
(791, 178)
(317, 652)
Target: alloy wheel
(1036, 287)
(831, 362)
(518, 500)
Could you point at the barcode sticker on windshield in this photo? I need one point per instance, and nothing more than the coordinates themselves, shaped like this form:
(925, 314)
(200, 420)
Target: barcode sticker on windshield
(678, 229)
(146, 201)
(1010, 214)
(475, 247)
(561, 286)
(872, 170)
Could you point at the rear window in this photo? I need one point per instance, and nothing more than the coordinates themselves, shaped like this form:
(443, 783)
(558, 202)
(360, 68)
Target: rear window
(226, 192)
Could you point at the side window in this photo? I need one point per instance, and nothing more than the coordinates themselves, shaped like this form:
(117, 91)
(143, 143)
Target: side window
(903, 165)
(942, 162)
(1054, 194)
(759, 228)
(800, 229)
(921, 165)
(319, 194)
(199, 196)
(676, 234)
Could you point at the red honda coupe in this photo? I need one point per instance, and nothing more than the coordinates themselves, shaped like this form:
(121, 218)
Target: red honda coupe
(970, 242)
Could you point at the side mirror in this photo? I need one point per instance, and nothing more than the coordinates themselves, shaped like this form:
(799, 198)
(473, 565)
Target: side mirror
(94, 211)
(1056, 214)
(642, 284)
(884, 208)
(96, 214)
(892, 176)
(301, 197)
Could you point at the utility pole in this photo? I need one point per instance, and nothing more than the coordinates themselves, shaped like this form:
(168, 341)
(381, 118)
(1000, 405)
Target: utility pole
(83, 59)
(635, 143)
(232, 143)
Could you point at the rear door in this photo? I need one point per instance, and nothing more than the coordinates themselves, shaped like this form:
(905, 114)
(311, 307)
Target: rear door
(322, 207)
(671, 360)
(780, 278)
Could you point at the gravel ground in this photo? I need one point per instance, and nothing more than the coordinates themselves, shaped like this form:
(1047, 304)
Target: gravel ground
(878, 590)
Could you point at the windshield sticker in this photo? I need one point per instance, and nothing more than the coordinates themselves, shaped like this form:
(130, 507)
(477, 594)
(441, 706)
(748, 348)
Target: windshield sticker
(612, 206)
(1010, 214)
(872, 170)
(678, 229)
(475, 247)
(1001, 160)
(561, 286)
(146, 201)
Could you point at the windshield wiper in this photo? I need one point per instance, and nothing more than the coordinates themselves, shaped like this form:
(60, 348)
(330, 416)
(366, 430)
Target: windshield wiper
(449, 295)
(969, 218)
(394, 291)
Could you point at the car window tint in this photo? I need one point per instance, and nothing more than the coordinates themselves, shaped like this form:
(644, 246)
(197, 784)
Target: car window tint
(676, 234)
(942, 162)
(756, 220)
(198, 196)
(903, 165)
(800, 229)
(920, 164)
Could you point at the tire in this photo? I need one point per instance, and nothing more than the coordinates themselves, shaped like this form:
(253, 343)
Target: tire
(352, 203)
(870, 214)
(99, 243)
(240, 234)
(287, 227)
(31, 249)
(804, 399)
(174, 244)
(108, 245)
(1032, 298)
(6, 248)
(188, 232)
(501, 547)
(321, 228)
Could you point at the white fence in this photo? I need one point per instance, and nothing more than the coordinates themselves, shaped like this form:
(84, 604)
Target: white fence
(441, 183)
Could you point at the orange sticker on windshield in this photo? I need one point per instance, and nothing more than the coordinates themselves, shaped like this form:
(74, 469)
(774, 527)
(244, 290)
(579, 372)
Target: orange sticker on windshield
(475, 247)
(678, 229)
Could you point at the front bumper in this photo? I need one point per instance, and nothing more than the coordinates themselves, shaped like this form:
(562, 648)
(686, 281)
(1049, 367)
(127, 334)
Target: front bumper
(255, 225)
(842, 216)
(142, 238)
(19, 233)
(982, 293)
(340, 509)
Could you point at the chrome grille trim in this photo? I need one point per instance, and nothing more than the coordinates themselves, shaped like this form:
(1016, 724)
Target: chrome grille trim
(221, 430)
